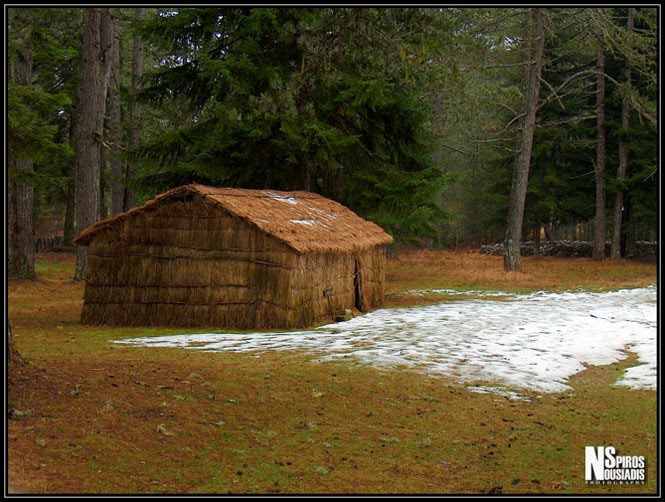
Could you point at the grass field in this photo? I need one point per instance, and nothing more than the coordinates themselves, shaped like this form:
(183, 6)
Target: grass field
(92, 417)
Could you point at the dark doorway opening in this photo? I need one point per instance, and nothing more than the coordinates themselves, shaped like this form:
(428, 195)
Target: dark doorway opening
(358, 287)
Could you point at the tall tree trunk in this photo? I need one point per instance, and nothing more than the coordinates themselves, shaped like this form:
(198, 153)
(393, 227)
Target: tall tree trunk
(306, 177)
(97, 43)
(69, 232)
(21, 249)
(103, 182)
(536, 239)
(615, 252)
(70, 210)
(535, 34)
(14, 358)
(134, 113)
(629, 240)
(598, 252)
(115, 126)
(21, 245)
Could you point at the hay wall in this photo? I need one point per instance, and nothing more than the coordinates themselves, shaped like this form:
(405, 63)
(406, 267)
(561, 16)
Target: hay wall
(373, 271)
(187, 263)
(323, 285)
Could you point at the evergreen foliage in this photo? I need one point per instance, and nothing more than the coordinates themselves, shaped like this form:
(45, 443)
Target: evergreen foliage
(407, 115)
(38, 115)
(561, 182)
(33, 109)
(327, 100)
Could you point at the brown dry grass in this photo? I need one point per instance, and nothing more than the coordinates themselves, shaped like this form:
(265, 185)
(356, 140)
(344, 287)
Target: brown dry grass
(467, 269)
(113, 419)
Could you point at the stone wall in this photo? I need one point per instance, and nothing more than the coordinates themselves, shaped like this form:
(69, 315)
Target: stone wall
(569, 249)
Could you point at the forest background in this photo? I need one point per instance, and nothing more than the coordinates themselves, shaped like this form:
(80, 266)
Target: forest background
(446, 126)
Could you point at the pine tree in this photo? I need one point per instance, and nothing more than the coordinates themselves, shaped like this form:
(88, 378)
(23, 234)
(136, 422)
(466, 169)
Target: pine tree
(535, 34)
(115, 122)
(327, 100)
(599, 221)
(37, 95)
(615, 252)
(135, 119)
(97, 46)
(21, 255)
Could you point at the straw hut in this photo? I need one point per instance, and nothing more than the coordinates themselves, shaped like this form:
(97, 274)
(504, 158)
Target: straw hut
(232, 258)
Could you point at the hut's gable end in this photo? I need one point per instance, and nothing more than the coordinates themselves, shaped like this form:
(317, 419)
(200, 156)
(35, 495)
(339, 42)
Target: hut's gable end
(370, 273)
(324, 285)
(321, 288)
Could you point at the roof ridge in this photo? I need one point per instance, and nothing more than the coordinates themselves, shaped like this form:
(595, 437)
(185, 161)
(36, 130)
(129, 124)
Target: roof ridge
(255, 192)
(304, 221)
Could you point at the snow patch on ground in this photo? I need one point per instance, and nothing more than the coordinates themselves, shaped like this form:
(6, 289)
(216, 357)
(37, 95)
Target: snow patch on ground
(533, 342)
(454, 292)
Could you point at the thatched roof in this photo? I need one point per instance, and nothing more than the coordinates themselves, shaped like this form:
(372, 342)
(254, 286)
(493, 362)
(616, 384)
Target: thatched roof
(302, 220)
